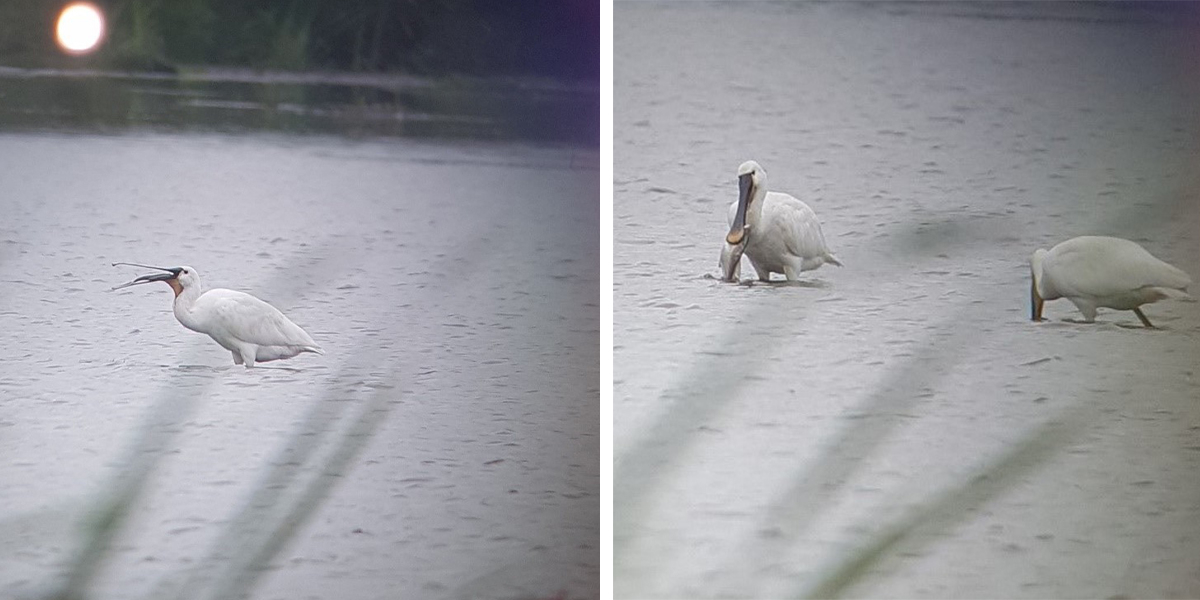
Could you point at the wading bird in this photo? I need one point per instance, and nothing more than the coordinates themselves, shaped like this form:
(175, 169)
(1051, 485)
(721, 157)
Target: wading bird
(251, 329)
(1093, 271)
(786, 235)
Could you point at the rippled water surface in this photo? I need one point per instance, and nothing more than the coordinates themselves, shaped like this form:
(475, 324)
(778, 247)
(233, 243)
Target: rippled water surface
(458, 279)
(763, 432)
(353, 104)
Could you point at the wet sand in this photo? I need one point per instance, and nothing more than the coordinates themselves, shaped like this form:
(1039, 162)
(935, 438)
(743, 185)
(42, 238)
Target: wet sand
(763, 432)
(425, 270)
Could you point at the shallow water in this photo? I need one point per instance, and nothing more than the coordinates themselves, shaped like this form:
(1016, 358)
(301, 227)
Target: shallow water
(360, 105)
(458, 279)
(763, 432)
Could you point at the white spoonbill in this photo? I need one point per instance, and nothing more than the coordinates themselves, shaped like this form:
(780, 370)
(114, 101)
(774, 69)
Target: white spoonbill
(251, 329)
(1093, 271)
(786, 234)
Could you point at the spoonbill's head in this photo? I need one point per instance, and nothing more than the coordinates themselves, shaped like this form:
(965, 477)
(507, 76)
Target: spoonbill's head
(179, 278)
(1035, 295)
(750, 182)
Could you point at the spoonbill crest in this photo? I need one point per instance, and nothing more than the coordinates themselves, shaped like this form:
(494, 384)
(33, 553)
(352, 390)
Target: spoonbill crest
(1093, 271)
(251, 329)
(787, 236)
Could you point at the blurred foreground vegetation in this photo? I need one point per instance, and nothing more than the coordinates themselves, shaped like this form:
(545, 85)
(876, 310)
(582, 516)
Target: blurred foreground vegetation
(540, 38)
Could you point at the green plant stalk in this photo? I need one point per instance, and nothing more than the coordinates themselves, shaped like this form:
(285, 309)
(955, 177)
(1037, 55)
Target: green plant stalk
(145, 454)
(702, 390)
(245, 573)
(250, 521)
(950, 507)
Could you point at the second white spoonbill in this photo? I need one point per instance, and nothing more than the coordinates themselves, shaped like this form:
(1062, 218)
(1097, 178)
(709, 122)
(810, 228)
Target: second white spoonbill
(786, 234)
(1093, 271)
(251, 329)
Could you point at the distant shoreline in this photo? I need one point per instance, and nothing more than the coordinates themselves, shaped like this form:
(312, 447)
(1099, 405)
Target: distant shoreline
(386, 81)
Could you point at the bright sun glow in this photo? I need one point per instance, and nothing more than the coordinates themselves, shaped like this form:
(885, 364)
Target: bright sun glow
(79, 28)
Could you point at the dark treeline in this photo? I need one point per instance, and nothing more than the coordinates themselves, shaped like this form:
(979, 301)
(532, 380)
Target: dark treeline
(547, 38)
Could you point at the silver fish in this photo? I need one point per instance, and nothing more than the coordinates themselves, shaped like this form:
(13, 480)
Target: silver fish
(731, 259)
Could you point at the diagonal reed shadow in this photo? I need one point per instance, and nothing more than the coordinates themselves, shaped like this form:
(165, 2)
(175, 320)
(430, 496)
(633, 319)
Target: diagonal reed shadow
(712, 382)
(949, 507)
(149, 445)
(270, 519)
(109, 514)
(248, 536)
(698, 394)
(708, 385)
(303, 472)
(804, 501)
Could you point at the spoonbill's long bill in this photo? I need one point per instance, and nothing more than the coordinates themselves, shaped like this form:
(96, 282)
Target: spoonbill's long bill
(1093, 271)
(787, 236)
(251, 329)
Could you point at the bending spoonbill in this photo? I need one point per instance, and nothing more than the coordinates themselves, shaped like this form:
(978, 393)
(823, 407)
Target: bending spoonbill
(251, 329)
(1093, 271)
(787, 236)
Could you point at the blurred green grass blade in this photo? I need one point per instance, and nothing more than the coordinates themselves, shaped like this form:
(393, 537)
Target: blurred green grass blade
(275, 519)
(150, 445)
(243, 574)
(646, 465)
(252, 520)
(701, 391)
(949, 507)
(815, 485)
(126, 487)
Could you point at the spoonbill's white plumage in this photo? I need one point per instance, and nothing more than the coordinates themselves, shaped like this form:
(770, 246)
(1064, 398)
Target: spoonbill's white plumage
(251, 329)
(785, 235)
(1094, 271)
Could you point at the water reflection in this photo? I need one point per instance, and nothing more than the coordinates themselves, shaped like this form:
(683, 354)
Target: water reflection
(354, 105)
